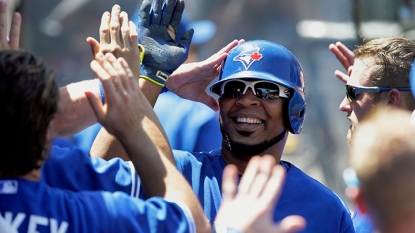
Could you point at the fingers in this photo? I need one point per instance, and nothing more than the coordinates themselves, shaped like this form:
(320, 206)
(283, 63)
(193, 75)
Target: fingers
(104, 31)
(15, 31)
(346, 52)
(229, 182)
(341, 76)
(102, 69)
(144, 19)
(261, 179)
(115, 25)
(125, 29)
(133, 35)
(249, 175)
(96, 105)
(94, 46)
(227, 48)
(274, 186)
(177, 15)
(157, 11)
(131, 83)
(167, 12)
(343, 54)
(186, 39)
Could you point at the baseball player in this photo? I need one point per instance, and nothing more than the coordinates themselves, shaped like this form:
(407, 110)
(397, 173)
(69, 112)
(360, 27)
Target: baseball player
(379, 76)
(29, 101)
(261, 88)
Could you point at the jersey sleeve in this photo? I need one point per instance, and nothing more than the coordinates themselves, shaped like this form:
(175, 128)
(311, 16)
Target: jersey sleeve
(72, 169)
(152, 215)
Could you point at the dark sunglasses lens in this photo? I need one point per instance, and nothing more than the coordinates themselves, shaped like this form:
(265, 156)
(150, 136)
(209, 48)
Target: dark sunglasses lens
(350, 93)
(233, 89)
(267, 91)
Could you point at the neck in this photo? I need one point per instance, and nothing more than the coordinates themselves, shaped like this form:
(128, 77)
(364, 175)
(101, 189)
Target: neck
(242, 161)
(33, 175)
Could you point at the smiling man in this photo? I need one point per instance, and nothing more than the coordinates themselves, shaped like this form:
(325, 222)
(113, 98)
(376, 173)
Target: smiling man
(261, 89)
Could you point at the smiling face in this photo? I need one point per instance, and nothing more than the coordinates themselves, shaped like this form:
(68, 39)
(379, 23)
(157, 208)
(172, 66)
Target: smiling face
(357, 110)
(252, 123)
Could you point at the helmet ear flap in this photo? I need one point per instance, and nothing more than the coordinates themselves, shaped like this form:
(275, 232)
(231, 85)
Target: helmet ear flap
(296, 113)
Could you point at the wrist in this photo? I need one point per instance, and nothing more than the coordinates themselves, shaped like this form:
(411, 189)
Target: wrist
(154, 75)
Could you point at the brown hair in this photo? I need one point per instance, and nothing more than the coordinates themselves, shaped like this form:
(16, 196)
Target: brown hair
(29, 98)
(394, 58)
(383, 155)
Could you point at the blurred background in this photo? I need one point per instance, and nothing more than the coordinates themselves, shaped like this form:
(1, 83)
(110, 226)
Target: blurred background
(56, 30)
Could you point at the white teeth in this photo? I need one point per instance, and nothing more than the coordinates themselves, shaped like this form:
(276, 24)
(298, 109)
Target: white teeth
(248, 120)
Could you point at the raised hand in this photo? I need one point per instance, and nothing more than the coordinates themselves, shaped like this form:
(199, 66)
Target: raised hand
(250, 207)
(14, 36)
(345, 57)
(118, 36)
(122, 113)
(162, 53)
(190, 80)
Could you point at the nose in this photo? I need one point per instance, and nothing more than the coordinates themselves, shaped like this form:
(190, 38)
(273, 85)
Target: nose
(248, 99)
(345, 105)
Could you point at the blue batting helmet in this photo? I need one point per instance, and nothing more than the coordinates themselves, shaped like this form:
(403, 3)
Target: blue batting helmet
(265, 60)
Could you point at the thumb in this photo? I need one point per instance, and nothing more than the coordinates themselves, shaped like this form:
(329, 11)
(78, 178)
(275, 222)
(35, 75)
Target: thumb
(210, 102)
(96, 105)
(186, 38)
(94, 45)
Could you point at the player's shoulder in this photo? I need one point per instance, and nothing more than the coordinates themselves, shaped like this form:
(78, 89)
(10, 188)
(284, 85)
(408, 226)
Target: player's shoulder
(299, 182)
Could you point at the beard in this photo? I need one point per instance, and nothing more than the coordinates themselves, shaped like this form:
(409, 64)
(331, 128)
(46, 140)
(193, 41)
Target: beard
(245, 151)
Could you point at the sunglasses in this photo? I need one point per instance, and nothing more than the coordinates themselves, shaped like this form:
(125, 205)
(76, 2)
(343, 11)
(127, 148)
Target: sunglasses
(352, 92)
(262, 89)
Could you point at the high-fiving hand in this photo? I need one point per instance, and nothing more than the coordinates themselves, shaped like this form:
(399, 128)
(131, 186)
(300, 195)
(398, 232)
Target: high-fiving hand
(122, 112)
(250, 207)
(118, 36)
(162, 53)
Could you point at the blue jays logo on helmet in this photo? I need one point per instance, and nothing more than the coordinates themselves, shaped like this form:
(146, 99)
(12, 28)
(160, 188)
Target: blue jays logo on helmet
(265, 60)
(247, 58)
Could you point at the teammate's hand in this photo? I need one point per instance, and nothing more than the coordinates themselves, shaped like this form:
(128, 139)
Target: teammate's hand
(118, 36)
(250, 207)
(11, 42)
(190, 80)
(345, 57)
(122, 112)
(162, 53)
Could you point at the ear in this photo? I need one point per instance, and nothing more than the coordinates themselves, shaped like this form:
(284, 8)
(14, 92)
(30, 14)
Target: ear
(356, 195)
(395, 98)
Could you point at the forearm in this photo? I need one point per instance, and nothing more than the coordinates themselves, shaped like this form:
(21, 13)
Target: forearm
(106, 146)
(75, 113)
(167, 182)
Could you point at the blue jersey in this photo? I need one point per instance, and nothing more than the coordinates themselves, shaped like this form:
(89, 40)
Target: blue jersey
(302, 195)
(71, 168)
(35, 207)
(323, 210)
